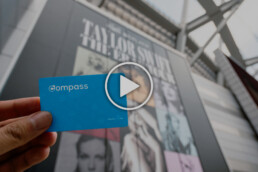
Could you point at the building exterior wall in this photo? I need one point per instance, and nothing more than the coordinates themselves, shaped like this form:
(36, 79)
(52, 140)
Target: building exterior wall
(10, 13)
(17, 20)
(237, 139)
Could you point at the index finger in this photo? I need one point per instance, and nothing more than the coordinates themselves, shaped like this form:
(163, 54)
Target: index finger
(18, 107)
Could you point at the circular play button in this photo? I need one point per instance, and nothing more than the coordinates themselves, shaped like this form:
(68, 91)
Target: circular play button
(127, 86)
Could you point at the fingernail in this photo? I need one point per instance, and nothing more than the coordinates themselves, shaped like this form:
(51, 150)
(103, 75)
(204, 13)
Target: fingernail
(41, 120)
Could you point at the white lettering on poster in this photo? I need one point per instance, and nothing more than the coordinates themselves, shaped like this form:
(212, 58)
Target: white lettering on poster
(112, 42)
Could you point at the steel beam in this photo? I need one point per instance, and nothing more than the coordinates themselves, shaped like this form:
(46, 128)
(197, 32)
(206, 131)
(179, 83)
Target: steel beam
(220, 78)
(251, 61)
(225, 33)
(220, 26)
(200, 21)
(181, 37)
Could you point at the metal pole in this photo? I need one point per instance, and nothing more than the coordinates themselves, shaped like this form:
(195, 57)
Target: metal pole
(219, 28)
(181, 38)
(202, 20)
(251, 61)
(220, 39)
(220, 77)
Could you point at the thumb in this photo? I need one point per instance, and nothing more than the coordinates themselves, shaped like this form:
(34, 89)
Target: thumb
(22, 131)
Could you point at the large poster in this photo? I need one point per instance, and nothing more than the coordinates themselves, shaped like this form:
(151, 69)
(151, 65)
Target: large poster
(158, 137)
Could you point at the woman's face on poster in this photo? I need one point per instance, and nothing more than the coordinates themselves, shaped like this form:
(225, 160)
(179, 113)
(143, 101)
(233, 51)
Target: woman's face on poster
(169, 92)
(92, 160)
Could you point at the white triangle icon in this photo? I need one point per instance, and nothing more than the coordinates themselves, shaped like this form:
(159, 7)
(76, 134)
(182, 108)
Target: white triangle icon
(126, 86)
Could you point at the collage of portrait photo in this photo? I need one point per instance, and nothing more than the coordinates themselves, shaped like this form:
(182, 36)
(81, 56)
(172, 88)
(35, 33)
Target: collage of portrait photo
(157, 139)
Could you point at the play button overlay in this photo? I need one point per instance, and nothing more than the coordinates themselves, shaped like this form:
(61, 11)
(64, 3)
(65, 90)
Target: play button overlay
(127, 86)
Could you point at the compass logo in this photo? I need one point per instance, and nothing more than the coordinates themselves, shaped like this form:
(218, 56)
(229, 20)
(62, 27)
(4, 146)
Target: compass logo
(69, 88)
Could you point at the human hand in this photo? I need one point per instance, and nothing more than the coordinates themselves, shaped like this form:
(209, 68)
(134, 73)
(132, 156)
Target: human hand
(23, 142)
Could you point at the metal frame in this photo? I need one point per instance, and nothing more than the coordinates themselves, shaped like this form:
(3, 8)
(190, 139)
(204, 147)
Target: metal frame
(251, 61)
(220, 26)
(213, 13)
(200, 21)
(225, 33)
(181, 37)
